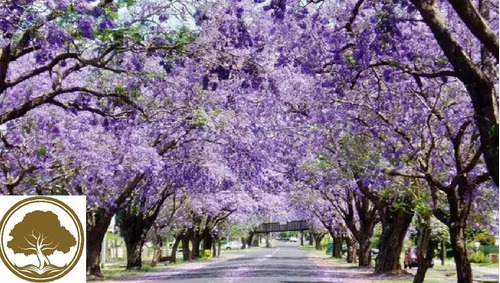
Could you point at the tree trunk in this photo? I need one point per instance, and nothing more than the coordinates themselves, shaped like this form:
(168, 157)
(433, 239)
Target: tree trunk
(365, 253)
(94, 245)
(249, 240)
(133, 228)
(243, 243)
(317, 244)
(135, 225)
(158, 249)
(195, 250)
(219, 246)
(311, 239)
(459, 201)
(479, 85)
(256, 240)
(97, 224)
(4, 65)
(483, 96)
(458, 244)
(173, 254)
(134, 252)
(362, 228)
(317, 239)
(351, 249)
(98, 221)
(207, 241)
(214, 250)
(395, 223)
(156, 256)
(186, 253)
(425, 253)
(443, 252)
(337, 247)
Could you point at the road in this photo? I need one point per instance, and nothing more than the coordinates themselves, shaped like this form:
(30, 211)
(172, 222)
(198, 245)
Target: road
(285, 264)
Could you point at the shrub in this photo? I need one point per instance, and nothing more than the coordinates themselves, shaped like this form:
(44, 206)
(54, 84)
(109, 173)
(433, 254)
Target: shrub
(486, 239)
(489, 249)
(205, 253)
(479, 257)
(324, 245)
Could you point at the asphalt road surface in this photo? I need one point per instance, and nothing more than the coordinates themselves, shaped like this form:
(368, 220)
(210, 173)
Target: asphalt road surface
(286, 264)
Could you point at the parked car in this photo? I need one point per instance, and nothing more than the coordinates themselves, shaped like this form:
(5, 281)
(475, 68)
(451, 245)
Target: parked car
(232, 246)
(293, 239)
(411, 258)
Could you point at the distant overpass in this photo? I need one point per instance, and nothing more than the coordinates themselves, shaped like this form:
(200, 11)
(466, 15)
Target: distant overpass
(299, 225)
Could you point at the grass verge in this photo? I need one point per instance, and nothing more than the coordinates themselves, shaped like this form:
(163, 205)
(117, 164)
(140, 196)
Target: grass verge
(433, 276)
(117, 269)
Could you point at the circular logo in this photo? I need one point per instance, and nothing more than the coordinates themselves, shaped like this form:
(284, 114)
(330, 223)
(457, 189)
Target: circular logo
(41, 239)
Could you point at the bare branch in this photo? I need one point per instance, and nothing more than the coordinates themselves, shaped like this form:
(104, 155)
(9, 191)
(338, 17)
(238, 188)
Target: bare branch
(42, 69)
(355, 12)
(476, 24)
(19, 111)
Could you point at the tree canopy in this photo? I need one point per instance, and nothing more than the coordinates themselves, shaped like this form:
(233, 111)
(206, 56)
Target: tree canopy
(238, 108)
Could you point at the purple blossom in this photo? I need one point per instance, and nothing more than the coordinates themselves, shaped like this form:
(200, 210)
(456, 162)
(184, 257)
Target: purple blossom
(163, 18)
(96, 12)
(387, 75)
(85, 25)
(107, 23)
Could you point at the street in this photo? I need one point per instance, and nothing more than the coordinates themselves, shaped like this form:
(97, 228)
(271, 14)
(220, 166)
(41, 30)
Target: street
(285, 263)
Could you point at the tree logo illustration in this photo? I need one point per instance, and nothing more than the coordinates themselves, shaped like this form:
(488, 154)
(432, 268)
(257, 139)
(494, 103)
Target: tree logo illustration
(41, 239)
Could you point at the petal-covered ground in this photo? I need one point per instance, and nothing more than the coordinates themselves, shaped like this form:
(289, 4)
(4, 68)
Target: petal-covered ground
(285, 264)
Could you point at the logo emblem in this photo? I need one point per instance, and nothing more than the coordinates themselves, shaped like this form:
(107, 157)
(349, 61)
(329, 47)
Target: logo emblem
(41, 239)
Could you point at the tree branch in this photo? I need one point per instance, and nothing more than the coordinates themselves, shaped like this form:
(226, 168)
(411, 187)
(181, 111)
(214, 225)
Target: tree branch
(21, 110)
(355, 12)
(476, 24)
(463, 65)
(42, 69)
(4, 65)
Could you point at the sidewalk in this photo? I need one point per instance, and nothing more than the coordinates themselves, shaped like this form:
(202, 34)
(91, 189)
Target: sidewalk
(168, 272)
(485, 274)
(351, 273)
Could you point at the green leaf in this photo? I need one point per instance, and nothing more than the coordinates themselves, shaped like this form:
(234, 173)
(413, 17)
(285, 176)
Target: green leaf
(28, 126)
(129, 2)
(136, 94)
(32, 180)
(442, 61)
(120, 90)
(399, 206)
(136, 35)
(41, 152)
(110, 13)
(117, 35)
(494, 132)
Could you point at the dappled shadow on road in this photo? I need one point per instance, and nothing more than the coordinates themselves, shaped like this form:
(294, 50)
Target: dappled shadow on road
(285, 269)
(291, 258)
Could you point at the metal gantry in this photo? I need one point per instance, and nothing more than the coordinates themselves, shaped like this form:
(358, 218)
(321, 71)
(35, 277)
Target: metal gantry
(299, 225)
